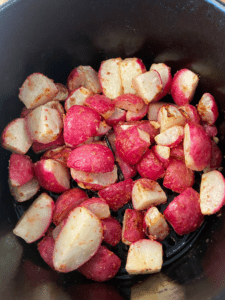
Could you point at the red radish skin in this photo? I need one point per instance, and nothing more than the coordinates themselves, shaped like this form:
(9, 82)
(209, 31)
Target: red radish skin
(102, 104)
(25, 192)
(21, 169)
(62, 92)
(177, 152)
(207, 109)
(52, 175)
(216, 158)
(85, 120)
(60, 154)
(153, 110)
(127, 170)
(67, 202)
(184, 213)
(183, 86)
(15, 137)
(150, 167)
(112, 231)
(191, 113)
(132, 230)
(119, 115)
(169, 116)
(197, 147)
(97, 206)
(129, 102)
(39, 147)
(211, 130)
(36, 220)
(118, 194)
(46, 248)
(178, 177)
(136, 116)
(77, 97)
(170, 137)
(103, 266)
(94, 158)
(212, 192)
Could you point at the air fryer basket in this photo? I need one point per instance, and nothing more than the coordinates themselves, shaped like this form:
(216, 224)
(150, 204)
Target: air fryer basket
(52, 38)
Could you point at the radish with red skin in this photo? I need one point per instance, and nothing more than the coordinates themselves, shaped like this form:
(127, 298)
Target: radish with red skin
(136, 116)
(155, 225)
(75, 79)
(62, 92)
(144, 257)
(92, 158)
(37, 90)
(147, 193)
(166, 77)
(130, 68)
(118, 194)
(207, 109)
(184, 213)
(153, 110)
(39, 147)
(52, 175)
(148, 86)
(67, 202)
(132, 229)
(21, 169)
(46, 248)
(85, 120)
(177, 152)
(170, 137)
(178, 177)
(212, 192)
(102, 104)
(110, 78)
(15, 137)
(60, 154)
(78, 240)
(183, 86)
(26, 191)
(132, 144)
(129, 102)
(191, 113)
(216, 158)
(44, 124)
(103, 129)
(57, 229)
(118, 116)
(211, 130)
(162, 153)
(36, 220)
(169, 116)
(77, 97)
(150, 167)
(97, 206)
(112, 231)
(94, 181)
(197, 147)
(127, 170)
(103, 266)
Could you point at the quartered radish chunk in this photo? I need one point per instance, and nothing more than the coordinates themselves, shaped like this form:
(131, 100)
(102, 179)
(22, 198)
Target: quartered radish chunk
(153, 110)
(132, 230)
(136, 116)
(26, 191)
(60, 154)
(97, 206)
(207, 109)
(170, 137)
(77, 97)
(40, 147)
(102, 104)
(169, 116)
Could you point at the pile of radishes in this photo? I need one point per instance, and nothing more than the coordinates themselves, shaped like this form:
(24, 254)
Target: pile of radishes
(172, 142)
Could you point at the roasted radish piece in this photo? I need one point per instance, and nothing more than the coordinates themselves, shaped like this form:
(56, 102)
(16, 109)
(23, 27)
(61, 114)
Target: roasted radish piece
(112, 231)
(97, 206)
(46, 248)
(130, 68)
(127, 170)
(60, 154)
(36, 220)
(190, 112)
(102, 266)
(147, 193)
(15, 137)
(75, 79)
(110, 78)
(136, 116)
(131, 144)
(118, 194)
(103, 129)
(216, 158)
(148, 86)
(78, 240)
(77, 97)
(184, 213)
(37, 90)
(153, 110)
(129, 102)
(56, 105)
(39, 147)
(150, 167)
(94, 158)
(212, 192)
(166, 77)
(118, 116)
(44, 124)
(207, 109)
(183, 86)
(52, 175)
(102, 104)
(211, 130)
(26, 191)
(169, 116)
(21, 169)
(170, 137)
(67, 202)
(155, 225)
(162, 153)
(132, 230)
(62, 92)
(178, 177)
(85, 120)
(197, 147)
(94, 181)
(144, 257)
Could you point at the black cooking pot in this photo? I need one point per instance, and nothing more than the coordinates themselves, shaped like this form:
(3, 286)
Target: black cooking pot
(52, 37)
